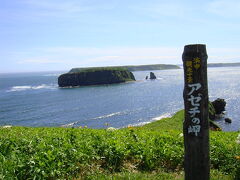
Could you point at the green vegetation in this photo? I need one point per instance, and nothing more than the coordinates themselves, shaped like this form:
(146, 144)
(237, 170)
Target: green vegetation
(95, 76)
(94, 69)
(132, 68)
(212, 115)
(152, 67)
(105, 75)
(155, 175)
(154, 151)
(223, 64)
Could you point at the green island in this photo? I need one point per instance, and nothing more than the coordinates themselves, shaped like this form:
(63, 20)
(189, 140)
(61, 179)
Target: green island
(105, 75)
(150, 67)
(152, 151)
(223, 64)
(95, 76)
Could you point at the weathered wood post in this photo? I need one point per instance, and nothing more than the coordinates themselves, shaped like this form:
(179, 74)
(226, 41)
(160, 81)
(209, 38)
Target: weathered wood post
(196, 124)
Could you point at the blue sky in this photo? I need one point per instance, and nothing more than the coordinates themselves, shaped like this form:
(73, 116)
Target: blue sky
(42, 35)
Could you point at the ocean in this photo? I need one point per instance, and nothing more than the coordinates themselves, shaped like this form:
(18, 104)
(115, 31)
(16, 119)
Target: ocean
(35, 100)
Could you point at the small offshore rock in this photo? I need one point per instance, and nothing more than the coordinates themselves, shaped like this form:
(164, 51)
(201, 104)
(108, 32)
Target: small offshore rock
(219, 105)
(228, 120)
(152, 76)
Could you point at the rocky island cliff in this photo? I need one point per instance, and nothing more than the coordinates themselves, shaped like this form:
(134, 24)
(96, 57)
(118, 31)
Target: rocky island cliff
(95, 76)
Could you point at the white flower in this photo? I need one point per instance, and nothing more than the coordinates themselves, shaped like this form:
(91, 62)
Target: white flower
(238, 139)
(7, 126)
(181, 135)
(111, 129)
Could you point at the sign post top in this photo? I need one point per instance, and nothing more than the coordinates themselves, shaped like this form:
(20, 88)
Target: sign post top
(195, 48)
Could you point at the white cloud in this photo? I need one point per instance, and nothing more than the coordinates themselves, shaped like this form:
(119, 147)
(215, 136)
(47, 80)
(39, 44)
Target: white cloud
(225, 8)
(223, 59)
(82, 57)
(102, 56)
(39, 61)
(224, 55)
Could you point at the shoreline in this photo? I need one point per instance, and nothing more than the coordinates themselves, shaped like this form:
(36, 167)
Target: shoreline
(164, 117)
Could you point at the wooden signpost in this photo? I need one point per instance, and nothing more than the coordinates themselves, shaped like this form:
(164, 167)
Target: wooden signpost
(196, 124)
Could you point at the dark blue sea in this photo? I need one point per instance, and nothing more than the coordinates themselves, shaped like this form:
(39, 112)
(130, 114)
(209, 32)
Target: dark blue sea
(34, 99)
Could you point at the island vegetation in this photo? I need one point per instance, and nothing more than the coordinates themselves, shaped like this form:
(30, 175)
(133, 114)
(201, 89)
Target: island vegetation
(136, 67)
(223, 64)
(95, 76)
(105, 75)
(153, 151)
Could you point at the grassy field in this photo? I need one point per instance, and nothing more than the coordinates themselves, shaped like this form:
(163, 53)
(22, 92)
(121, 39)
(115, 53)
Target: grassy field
(93, 69)
(150, 67)
(154, 151)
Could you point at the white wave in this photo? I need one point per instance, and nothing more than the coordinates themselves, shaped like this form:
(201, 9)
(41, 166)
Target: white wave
(166, 115)
(69, 125)
(19, 88)
(158, 78)
(153, 119)
(138, 124)
(24, 88)
(109, 115)
(72, 124)
(43, 86)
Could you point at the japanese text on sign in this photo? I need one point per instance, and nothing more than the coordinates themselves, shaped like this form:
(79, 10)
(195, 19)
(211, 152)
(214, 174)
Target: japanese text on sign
(195, 63)
(194, 109)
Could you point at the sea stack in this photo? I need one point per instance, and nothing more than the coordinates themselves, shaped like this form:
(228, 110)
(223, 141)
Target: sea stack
(219, 105)
(152, 76)
(228, 120)
(95, 76)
